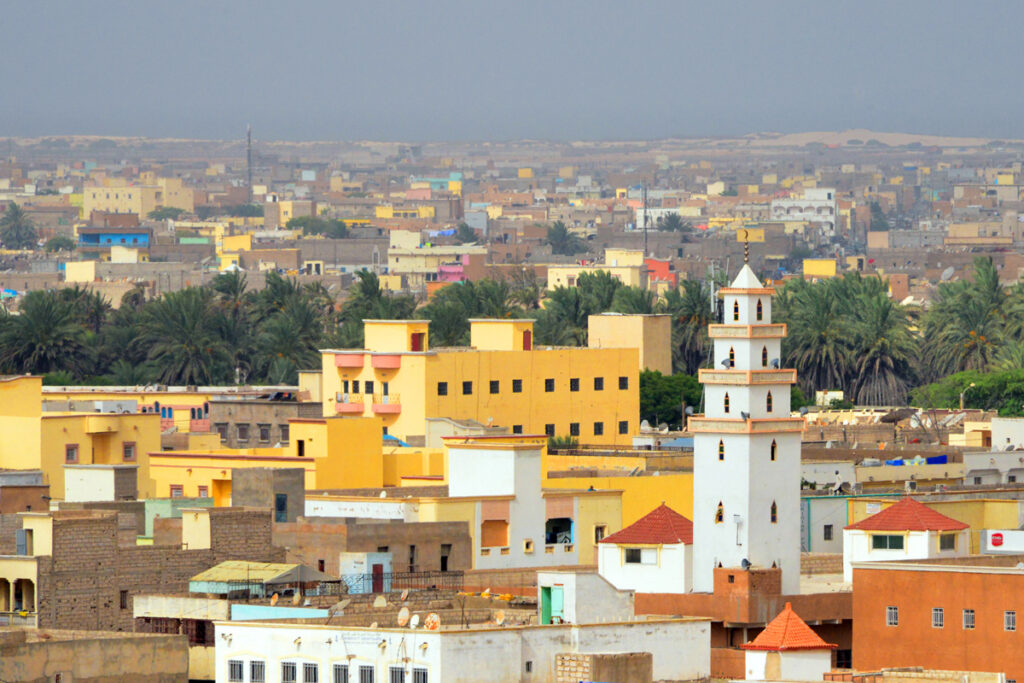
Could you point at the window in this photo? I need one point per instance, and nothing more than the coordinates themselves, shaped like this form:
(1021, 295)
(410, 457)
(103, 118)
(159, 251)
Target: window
(598, 428)
(289, 672)
(382, 549)
(310, 672)
(623, 383)
(764, 356)
(732, 357)
(549, 385)
(719, 513)
(412, 558)
(284, 433)
(947, 542)
(365, 674)
(977, 481)
(124, 599)
(938, 617)
(624, 427)
(222, 429)
(775, 513)
(177, 491)
(827, 532)
(599, 384)
(574, 429)
(549, 430)
(495, 386)
(242, 431)
(1010, 621)
(725, 403)
(735, 309)
(892, 616)
(467, 388)
(599, 531)
(236, 670)
(257, 671)
(517, 386)
(721, 449)
(886, 542)
(774, 450)
(442, 388)
(768, 402)
(528, 545)
(203, 492)
(760, 310)
(71, 453)
(528, 666)
(264, 430)
(340, 673)
(574, 384)
(517, 429)
(368, 387)
(969, 619)
(355, 386)
(419, 676)
(396, 674)
(128, 451)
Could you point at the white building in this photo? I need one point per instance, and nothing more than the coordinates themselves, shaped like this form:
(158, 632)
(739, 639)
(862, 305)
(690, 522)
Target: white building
(818, 205)
(746, 446)
(907, 530)
(580, 597)
(991, 468)
(277, 652)
(788, 650)
(653, 554)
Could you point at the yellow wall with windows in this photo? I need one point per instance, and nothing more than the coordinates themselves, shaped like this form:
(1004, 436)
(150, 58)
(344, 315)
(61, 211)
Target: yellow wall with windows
(640, 495)
(595, 509)
(819, 267)
(567, 276)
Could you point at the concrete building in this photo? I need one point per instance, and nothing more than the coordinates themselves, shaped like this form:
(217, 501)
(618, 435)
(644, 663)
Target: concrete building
(257, 420)
(818, 205)
(651, 334)
(788, 650)
(908, 530)
(654, 554)
(580, 597)
(23, 491)
(502, 380)
(283, 489)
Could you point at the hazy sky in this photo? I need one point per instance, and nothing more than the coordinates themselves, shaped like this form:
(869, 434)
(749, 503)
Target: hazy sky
(446, 70)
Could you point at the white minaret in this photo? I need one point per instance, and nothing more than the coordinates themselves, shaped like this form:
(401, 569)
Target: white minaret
(746, 501)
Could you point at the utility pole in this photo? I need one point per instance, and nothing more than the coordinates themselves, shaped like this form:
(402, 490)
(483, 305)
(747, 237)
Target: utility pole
(644, 190)
(248, 158)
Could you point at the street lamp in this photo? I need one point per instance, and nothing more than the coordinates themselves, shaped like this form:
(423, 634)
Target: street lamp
(962, 394)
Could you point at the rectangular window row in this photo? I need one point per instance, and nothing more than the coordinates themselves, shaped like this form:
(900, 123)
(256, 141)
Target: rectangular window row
(311, 673)
(574, 428)
(892, 618)
(494, 386)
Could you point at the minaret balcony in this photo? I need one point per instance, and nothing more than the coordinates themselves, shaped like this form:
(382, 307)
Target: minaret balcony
(729, 425)
(746, 377)
(763, 331)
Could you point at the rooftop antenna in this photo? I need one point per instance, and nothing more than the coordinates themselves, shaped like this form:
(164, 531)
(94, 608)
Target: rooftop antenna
(248, 158)
(644, 191)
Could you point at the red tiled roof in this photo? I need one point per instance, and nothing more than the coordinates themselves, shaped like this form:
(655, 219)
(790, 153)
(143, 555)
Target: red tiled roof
(662, 525)
(908, 515)
(788, 632)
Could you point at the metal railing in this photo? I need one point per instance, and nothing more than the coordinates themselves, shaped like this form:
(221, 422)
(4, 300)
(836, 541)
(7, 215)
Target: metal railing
(392, 581)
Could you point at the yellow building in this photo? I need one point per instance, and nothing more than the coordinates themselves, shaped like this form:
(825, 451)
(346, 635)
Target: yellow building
(650, 334)
(502, 380)
(625, 265)
(819, 268)
(389, 211)
(115, 195)
(335, 453)
(34, 439)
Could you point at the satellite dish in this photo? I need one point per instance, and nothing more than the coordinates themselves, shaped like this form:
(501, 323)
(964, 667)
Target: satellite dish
(499, 617)
(775, 363)
(803, 410)
(274, 598)
(744, 415)
(486, 593)
(645, 426)
(689, 410)
(725, 362)
(415, 621)
(344, 603)
(663, 428)
(383, 494)
(405, 595)
(947, 274)
(373, 625)
(297, 598)
(432, 622)
(745, 563)
(380, 602)
(403, 616)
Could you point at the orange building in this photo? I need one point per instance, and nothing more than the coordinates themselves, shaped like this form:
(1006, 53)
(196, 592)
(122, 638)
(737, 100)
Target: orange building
(959, 613)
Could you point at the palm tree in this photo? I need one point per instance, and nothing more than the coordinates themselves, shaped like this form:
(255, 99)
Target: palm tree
(598, 290)
(44, 337)
(819, 342)
(494, 299)
(182, 343)
(885, 350)
(16, 229)
(634, 300)
(89, 307)
(562, 241)
(690, 309)
(672, 222)
(564, 320)
(289, 342)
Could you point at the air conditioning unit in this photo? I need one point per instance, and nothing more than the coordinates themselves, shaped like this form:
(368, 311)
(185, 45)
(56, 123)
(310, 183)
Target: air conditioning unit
(909, 486)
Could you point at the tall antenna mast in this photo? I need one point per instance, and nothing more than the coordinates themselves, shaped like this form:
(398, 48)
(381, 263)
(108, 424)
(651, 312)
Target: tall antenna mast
(644, 190)
(248, 158)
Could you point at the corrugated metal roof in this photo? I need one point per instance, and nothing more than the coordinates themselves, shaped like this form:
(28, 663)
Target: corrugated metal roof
(244, 571)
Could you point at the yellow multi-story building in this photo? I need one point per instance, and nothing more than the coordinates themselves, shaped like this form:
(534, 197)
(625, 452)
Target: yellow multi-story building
(49, 440)
(501, 380)
(625, 265)
(116, 195)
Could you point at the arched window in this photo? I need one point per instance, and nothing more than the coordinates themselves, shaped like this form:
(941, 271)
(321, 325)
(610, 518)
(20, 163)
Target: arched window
(774, 450)
(735, 309)
(764, 356)
(725, 404)
(775, 513)
(719, 513)
(721, 450)
(732, 357)
(760, 310)
(768, 402)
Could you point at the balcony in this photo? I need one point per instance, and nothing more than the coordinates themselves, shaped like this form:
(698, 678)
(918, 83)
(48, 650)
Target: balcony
(387, 405)
(747, 377)
(348, 360)
(97, 424)
(725, 425)
(20, 618)
(388, 361)
(351, 404)
(765, 331)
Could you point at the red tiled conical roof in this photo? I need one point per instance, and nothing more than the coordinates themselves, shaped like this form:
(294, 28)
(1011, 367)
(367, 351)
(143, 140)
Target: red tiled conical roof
(662, 525)
(908, 515)
(788, 632)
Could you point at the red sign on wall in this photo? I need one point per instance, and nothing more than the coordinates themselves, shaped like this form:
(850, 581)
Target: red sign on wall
(997, 539)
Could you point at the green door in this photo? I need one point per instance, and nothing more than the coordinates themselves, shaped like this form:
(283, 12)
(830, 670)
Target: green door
(545, 605)
(557, 600)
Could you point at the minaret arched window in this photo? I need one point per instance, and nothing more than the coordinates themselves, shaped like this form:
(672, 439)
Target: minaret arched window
(735, 309)
(719, 513)
(721, 450)
(774, 449)
(760, 310)
(768, 402)
(732, 357)
(775, 513)
(764, 356)
(725, 403)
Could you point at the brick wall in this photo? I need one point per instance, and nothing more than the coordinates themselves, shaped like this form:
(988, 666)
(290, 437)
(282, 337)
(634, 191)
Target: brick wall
(8, 525)
(821, 563)
(625, 667)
